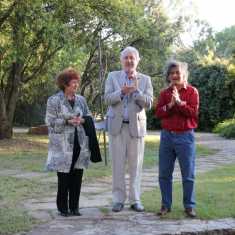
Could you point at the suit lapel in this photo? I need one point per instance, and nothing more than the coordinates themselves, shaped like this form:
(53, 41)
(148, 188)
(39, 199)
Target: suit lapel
(121, 78)
(140, 81)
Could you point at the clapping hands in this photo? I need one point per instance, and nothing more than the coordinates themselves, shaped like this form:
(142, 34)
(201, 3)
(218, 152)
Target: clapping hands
(128, 89)
(175, 95)
(175, 99)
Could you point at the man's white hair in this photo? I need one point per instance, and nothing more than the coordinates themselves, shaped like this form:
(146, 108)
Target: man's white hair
(128, 50)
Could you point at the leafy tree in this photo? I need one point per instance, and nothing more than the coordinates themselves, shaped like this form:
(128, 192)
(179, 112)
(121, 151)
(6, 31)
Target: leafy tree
(40, 38)
(31, 35)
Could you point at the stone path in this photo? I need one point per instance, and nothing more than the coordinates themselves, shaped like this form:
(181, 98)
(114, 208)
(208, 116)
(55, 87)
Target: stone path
(98, 219)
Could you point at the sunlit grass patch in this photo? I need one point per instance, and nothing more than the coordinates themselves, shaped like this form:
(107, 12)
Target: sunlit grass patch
(151, 151)
(29, 152)
(215, 195)
(13, 191)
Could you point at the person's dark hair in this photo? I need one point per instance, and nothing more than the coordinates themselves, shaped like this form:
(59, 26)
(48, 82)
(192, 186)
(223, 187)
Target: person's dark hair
(65, 76)
(172, 64)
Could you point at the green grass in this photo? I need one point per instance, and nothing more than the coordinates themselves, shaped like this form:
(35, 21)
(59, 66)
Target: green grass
(151, 151)
(97, 170)
(29, 153)
(215, 195)
(104, 210)
(14, 220)
(24, 161)
(13, 191)
(203, 151)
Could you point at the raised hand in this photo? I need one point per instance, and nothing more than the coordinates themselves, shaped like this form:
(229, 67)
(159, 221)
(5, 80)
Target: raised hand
(126, 89)
(175, 94)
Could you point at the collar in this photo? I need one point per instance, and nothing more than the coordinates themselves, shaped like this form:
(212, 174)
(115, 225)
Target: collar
(185, 86)
(62, 95)
(126, 74)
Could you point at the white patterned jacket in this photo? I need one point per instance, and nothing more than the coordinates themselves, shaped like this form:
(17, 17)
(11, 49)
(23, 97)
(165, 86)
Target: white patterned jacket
(61, 135)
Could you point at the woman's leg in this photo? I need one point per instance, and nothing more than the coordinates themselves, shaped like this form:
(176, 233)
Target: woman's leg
(62, 193)
(75, 189)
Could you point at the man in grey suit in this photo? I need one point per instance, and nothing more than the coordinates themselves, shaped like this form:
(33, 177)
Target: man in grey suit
(128, 93)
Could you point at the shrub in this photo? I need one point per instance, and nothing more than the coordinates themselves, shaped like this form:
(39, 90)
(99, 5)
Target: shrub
(226, 128)
(216, 89)
(153, 123)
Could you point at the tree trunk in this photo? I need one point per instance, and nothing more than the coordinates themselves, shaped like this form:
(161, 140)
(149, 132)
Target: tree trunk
(5, 130)
(8, 101)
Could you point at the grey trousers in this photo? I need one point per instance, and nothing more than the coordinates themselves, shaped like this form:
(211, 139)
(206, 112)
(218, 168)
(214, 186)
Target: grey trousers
(124, 148)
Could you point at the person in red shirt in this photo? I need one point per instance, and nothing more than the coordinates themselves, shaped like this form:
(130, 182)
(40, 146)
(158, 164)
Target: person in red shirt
(177, 107)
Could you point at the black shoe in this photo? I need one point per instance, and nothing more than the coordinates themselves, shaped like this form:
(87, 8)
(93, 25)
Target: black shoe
(190, 212)
(117, 207)
(63, 213)
(75, 212)
(137, 207)
(163, 211)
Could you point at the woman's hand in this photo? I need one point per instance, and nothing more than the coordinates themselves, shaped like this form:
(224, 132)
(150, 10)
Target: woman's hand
(76, 121)
(175, 94)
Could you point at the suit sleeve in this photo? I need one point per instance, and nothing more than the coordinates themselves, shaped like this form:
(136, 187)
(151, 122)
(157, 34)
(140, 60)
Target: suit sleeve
(111, 96)
(145, 98)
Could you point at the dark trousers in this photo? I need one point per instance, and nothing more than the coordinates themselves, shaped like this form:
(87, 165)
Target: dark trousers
(69, 188)
(69, 184)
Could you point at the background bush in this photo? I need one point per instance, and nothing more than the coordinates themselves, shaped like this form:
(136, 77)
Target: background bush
(226, 128)
(217, 100)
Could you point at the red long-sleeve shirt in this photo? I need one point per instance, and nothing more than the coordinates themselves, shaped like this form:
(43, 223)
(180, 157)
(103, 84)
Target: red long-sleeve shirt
(179, 117)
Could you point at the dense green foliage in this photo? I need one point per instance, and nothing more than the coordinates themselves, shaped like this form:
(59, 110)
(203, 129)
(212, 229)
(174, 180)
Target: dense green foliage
(212, 71)
(40, 38)
(226, 128)
(153, 122)
(217, 100)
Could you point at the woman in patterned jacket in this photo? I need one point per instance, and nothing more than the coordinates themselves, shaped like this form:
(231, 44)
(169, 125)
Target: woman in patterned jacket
(68, 151)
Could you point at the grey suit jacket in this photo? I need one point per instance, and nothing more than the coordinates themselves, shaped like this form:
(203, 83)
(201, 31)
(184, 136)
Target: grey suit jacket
(138, 102)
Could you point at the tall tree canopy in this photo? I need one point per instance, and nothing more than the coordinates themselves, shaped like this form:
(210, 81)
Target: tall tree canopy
(39, 38)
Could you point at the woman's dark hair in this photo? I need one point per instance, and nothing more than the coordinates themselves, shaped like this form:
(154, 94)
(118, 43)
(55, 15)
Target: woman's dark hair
(65, 76)
(172, 64)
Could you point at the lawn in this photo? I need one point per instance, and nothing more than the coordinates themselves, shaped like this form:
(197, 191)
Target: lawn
(27, 153)
(13, 191)
(215, 195)
(151, 151)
